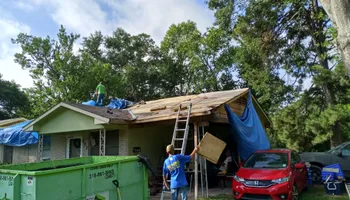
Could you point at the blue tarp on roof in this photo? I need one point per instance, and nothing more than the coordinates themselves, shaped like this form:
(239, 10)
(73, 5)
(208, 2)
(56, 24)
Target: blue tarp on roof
(115, 103)
(247, 130)
(15, 136)
(120, 103)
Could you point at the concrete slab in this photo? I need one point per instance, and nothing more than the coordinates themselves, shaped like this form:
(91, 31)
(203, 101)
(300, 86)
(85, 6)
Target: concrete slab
(211, 192)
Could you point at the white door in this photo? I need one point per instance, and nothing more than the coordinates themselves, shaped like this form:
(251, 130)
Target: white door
(74, 147)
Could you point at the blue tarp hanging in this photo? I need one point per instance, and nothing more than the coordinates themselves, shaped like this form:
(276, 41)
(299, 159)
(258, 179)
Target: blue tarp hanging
(247, 130)
(15, 136)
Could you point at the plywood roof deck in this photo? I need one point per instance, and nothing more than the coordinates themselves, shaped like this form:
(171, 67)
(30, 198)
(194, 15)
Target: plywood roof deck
(202, 104)
(206, 105)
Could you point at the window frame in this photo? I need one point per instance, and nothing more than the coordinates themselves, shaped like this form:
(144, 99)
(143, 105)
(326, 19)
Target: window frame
(68, 145)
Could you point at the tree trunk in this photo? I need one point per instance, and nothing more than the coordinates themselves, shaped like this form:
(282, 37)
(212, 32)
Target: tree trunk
(339, 13)
(321, 51)
(336, 139)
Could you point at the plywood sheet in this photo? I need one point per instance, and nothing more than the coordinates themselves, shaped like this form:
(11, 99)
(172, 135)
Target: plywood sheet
(202, 104)
(211, 148)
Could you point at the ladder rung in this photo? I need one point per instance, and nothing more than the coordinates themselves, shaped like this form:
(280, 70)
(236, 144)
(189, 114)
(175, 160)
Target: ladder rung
(180, 129)
(178, 139)
(177, 149)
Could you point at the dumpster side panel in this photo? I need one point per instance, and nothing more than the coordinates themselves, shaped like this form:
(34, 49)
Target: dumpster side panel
(132, 192)
(130, 173)
(7, 186)
(133, 181)
(100, 179)
(60, 186)
(27, 187)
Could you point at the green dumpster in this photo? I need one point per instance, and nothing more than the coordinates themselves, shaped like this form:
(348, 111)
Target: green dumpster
(88, 178)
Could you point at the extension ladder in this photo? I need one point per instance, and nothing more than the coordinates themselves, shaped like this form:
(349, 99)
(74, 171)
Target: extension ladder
(180, 140)
(203, 168)
(347, 187)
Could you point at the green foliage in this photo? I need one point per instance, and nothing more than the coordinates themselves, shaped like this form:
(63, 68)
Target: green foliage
(199, 62)
(13, 101)
(272, 47)
(293, 38)
(135, 60)
(181, 45)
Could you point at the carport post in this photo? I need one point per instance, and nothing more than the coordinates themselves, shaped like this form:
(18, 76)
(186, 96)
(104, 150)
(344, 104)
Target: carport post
(102, 142)
(195, 138)
(40, 147)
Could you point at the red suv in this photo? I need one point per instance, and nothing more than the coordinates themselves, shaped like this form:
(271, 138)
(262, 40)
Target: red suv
(277, 174)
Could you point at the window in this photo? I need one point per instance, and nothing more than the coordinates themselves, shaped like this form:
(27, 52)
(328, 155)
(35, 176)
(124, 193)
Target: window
(8, 154)
(338, 148)
(267, 160)
(112, 143)
(295, 158)
(346, 151)
(46, 147)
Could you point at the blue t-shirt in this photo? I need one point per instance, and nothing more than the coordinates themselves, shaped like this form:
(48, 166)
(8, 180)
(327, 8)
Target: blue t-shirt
(175, 166)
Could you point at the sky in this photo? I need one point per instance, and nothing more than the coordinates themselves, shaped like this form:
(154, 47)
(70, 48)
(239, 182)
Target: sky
(44, 17)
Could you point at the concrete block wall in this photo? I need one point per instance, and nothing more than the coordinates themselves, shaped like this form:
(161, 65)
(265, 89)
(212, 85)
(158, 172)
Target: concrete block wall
(152, 140)
(25, 154)
(33, 153)
(59, 144)
(1, 153)
(123, 142)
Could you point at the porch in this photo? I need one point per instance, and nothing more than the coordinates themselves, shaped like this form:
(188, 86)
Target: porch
(211, 192)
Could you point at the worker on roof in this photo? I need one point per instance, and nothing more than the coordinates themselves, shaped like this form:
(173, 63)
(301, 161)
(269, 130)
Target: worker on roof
(175, 166)
(100, 91)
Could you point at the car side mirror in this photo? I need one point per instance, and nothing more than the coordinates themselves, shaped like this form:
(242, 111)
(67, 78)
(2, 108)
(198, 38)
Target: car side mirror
(299, 166)
(339, 153)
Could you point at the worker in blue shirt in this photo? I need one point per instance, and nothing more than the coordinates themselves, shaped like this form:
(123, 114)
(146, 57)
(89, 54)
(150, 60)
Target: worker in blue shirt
(175, 166)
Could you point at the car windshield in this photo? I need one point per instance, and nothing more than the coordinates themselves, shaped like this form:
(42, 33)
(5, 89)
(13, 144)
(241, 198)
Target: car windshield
(337, 148)
(267, 160)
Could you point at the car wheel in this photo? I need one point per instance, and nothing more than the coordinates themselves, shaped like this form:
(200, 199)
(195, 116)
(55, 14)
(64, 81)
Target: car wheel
(316, 173)
(295, 193)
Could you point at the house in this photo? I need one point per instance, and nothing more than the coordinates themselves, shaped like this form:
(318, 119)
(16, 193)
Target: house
(6, 151)
(10, 122)
(72, 130)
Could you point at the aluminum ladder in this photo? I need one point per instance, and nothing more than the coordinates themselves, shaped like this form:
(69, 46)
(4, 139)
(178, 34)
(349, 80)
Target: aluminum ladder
(177, 136)
(180, 140)
(347, 187)
(203, 168)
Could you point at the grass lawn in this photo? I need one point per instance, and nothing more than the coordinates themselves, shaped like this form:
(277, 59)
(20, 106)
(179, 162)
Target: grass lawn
(314, 193)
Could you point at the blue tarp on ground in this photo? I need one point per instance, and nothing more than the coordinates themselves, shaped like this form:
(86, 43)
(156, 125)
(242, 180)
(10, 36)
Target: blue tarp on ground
(247, 130)
(15, 136)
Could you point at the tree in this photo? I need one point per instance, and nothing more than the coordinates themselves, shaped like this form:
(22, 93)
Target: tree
(60, 75)
(180, 46)
(339, 12)
(199, 62)
(13, 101)
(135, 59)
(293, 38)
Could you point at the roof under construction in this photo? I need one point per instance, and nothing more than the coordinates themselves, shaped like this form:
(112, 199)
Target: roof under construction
(203, 104)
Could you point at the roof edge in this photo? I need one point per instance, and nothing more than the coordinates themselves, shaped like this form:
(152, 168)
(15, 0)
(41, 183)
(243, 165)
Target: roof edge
(62, 104)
